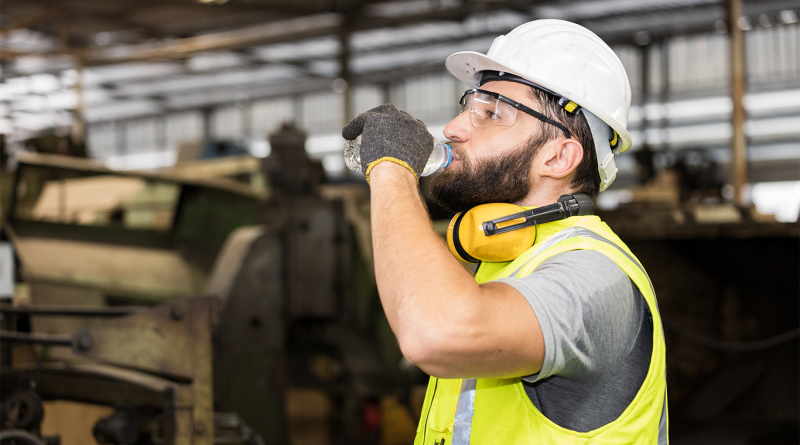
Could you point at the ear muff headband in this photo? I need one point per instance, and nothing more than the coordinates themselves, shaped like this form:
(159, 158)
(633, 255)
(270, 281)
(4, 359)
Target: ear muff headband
(472, 237)
(567, 205)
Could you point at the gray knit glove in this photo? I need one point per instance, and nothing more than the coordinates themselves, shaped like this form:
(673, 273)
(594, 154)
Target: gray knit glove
(388, 134)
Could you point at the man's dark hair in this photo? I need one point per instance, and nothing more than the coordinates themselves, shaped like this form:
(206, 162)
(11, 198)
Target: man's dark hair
(587, 177)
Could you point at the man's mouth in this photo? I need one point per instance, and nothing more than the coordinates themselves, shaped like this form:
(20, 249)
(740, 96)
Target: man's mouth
(456, 156)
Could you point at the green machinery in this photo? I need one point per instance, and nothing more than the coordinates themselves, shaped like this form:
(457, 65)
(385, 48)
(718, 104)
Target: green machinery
(108, 259)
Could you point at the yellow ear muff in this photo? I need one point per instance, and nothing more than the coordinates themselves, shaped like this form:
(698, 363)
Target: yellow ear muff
(468, 242)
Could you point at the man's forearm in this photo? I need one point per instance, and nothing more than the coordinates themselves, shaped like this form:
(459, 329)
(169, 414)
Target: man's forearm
(445, 322)
(418, 278)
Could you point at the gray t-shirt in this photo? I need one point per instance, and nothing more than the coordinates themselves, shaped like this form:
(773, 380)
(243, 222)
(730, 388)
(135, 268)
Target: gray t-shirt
(597, 338)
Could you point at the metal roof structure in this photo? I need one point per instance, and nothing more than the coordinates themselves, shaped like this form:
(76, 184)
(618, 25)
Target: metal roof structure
(148, 57)
(141, 80)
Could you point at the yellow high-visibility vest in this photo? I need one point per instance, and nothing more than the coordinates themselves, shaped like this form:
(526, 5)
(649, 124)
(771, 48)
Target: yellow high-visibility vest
(499, 412)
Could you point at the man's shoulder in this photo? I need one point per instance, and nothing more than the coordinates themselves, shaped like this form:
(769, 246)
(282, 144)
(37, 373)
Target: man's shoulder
(584, 279)
(590, 266)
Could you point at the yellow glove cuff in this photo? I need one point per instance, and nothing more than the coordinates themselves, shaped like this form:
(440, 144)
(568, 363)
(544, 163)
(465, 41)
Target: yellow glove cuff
(390, 159)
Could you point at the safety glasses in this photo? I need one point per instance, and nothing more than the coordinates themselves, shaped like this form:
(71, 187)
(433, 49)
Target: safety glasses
(488, 109)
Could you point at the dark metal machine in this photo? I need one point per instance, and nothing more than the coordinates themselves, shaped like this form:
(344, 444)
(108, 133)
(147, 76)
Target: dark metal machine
(292, 305)
(153, 366)
(726, 281)
(299, 305)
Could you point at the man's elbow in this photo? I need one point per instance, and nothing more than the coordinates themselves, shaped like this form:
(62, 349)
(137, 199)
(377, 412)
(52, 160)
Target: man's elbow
(432, 351)
(417, 346)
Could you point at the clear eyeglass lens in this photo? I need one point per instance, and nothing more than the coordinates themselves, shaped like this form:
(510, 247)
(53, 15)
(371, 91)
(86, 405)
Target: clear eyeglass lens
(486, 111)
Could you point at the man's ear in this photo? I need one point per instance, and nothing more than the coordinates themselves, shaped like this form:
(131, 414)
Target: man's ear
(562, 158)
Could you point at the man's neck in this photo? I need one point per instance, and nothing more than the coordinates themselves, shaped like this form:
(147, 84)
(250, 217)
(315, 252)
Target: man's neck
(545, 193)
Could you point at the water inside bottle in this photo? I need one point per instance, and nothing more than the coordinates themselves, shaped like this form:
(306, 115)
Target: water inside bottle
(352, 154)
(439, 159)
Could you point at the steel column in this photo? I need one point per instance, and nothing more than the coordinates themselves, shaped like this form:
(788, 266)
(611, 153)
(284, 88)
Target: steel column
(738, 141)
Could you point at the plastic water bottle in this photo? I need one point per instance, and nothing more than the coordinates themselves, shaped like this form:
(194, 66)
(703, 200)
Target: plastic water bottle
(440, 158)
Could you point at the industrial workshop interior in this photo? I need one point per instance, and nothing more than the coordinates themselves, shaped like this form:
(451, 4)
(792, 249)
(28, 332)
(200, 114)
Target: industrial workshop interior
(186, 258)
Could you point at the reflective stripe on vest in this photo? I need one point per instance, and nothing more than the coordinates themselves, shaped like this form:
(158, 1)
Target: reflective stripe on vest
(463, 428)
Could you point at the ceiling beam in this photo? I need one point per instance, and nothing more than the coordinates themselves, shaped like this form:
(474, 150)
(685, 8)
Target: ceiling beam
(287, 30)
(293, 29)
(27, 22)
(282, 31)
(459, 13)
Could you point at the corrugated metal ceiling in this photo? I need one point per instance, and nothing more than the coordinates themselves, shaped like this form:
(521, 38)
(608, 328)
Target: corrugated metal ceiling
(178, 54)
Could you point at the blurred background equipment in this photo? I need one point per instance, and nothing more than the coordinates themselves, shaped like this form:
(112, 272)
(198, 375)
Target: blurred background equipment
(137, 174)
(155, 392)
(285, 314)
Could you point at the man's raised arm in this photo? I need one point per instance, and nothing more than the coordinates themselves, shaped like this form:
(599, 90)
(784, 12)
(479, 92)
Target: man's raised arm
(445, 322)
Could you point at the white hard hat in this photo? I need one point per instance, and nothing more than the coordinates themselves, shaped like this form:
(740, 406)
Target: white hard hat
(566, 59)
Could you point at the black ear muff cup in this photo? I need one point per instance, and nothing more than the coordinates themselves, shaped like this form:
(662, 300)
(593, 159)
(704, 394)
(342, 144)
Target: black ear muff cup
(454, 240)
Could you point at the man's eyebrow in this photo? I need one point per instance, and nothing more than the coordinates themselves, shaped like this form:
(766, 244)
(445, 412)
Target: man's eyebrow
(533, 94)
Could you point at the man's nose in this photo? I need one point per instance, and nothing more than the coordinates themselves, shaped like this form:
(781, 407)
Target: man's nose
(459, 128)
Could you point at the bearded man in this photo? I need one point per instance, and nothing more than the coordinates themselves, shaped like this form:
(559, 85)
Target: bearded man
(556, 339)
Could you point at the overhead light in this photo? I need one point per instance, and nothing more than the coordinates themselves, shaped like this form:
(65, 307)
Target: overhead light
(744, 23)
(103, 38)
(788, 16)
(339, 86)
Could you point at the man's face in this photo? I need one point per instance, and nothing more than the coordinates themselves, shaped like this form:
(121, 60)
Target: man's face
(491, 164)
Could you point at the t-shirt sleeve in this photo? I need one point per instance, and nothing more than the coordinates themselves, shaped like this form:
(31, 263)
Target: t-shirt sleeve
(588, 313)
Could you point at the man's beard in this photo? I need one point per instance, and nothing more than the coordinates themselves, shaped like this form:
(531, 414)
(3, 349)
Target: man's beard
(503, 179)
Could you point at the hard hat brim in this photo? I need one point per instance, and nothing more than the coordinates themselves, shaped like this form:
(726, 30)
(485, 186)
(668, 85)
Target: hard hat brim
(467, 65)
